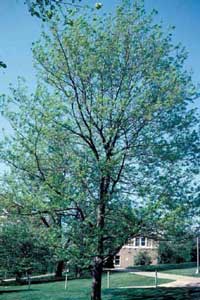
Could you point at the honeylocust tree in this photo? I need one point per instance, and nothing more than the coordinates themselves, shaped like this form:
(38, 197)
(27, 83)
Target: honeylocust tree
(107, 143)
(46, 9)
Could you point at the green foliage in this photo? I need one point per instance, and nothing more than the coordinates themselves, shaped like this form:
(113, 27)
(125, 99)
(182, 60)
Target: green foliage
(3, 65)
(46, 9)
(22, 250)
(172, 252)
(142, 259)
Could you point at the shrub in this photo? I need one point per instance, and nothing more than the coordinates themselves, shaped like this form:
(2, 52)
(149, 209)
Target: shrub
(142, 259)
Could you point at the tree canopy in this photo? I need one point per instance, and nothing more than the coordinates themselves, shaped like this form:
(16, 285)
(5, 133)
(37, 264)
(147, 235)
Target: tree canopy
(107, 143)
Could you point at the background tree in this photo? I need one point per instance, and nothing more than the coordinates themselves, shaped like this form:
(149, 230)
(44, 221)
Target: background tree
(173, 252)
(23, 249)
(112, 145)
(43, 225)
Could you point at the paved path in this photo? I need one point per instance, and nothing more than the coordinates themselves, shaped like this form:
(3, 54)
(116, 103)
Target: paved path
(179, 280)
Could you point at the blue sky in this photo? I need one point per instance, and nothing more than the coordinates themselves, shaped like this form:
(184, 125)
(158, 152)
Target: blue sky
(18, 30)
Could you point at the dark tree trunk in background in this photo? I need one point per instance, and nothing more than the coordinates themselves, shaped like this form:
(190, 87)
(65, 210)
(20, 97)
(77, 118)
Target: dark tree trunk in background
(59, 269)
(96, 278)
(78, 272)
(60, 264)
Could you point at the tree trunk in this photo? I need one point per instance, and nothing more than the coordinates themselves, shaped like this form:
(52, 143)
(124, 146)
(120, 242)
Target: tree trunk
(96, 278)
(59, 269)
(98, 260)
(78, 272)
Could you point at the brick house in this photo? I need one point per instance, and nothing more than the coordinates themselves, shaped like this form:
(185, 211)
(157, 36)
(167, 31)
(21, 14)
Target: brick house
(126, 256)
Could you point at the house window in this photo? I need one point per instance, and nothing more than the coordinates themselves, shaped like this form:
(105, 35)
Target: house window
(137, 241)
(140, 242)
(143, 241)
(130, 242)
(117, 260)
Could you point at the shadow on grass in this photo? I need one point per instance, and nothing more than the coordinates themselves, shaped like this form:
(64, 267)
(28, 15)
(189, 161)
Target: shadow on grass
(153, 294)
(16, 291)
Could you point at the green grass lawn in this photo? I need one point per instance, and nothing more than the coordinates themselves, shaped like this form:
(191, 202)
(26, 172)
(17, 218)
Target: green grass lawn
(78, 289)
(185, 272)
(187, 269)
(154, 294)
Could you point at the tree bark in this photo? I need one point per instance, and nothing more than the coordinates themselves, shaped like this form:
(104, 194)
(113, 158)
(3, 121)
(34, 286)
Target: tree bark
(96, 278)
(98, 260)
(59, 268)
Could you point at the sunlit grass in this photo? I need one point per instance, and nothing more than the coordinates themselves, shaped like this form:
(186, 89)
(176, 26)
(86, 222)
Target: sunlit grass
(77, 289)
